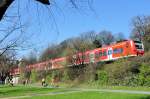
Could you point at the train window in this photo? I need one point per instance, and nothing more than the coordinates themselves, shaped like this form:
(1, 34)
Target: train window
(118, 50)
(91, 55)
(115, 51)
(97, 54)
(87, 56)
(137, 42)
(138, 46)
(104, 53)
(100, 54)
(109, 52)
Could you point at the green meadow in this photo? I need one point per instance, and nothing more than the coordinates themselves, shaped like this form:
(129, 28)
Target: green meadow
(30, 92)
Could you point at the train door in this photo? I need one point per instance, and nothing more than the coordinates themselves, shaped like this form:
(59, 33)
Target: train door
(110, 52)
(92, 57)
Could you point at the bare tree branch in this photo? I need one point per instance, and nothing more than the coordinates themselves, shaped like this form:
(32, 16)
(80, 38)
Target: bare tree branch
(4, 4)
(46, 2)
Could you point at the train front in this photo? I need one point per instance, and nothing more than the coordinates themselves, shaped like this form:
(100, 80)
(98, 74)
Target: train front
(139, 47)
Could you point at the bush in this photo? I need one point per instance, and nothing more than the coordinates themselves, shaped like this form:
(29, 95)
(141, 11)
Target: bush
(65, 75)
(33, 77)
(90, 74)
(144, 75)
(117, 71)
(102, 77)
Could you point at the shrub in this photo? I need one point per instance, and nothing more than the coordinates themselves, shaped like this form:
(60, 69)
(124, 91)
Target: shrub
(90, 74)
(48, 78)
(102, 77)
(144, 75)
(65, 75)
(33, 77)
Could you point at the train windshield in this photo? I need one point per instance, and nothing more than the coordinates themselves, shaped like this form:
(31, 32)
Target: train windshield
(139, 45)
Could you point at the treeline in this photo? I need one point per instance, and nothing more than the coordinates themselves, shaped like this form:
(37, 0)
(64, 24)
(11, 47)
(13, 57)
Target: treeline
(85, 41)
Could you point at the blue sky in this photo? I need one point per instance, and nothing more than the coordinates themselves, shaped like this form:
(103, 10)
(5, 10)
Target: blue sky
(112, 15)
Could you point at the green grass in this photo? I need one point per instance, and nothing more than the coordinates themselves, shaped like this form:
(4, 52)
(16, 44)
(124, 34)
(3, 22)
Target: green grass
(127, 88)
(96, 86)
(92, 95)
(7, 91)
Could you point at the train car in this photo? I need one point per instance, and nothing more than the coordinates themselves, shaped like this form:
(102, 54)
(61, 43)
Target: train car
(15, 71)
(115, 51)
(122, 49)
(127, 48)
(47, 65)
(58, 63)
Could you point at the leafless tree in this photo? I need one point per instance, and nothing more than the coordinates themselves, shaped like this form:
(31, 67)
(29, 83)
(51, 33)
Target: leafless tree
(119, 36)
(141, 29)
(6, 62)
(106, 37)
(5, 4)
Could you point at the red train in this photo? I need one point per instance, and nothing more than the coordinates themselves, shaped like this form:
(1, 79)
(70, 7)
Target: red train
(115, 51)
